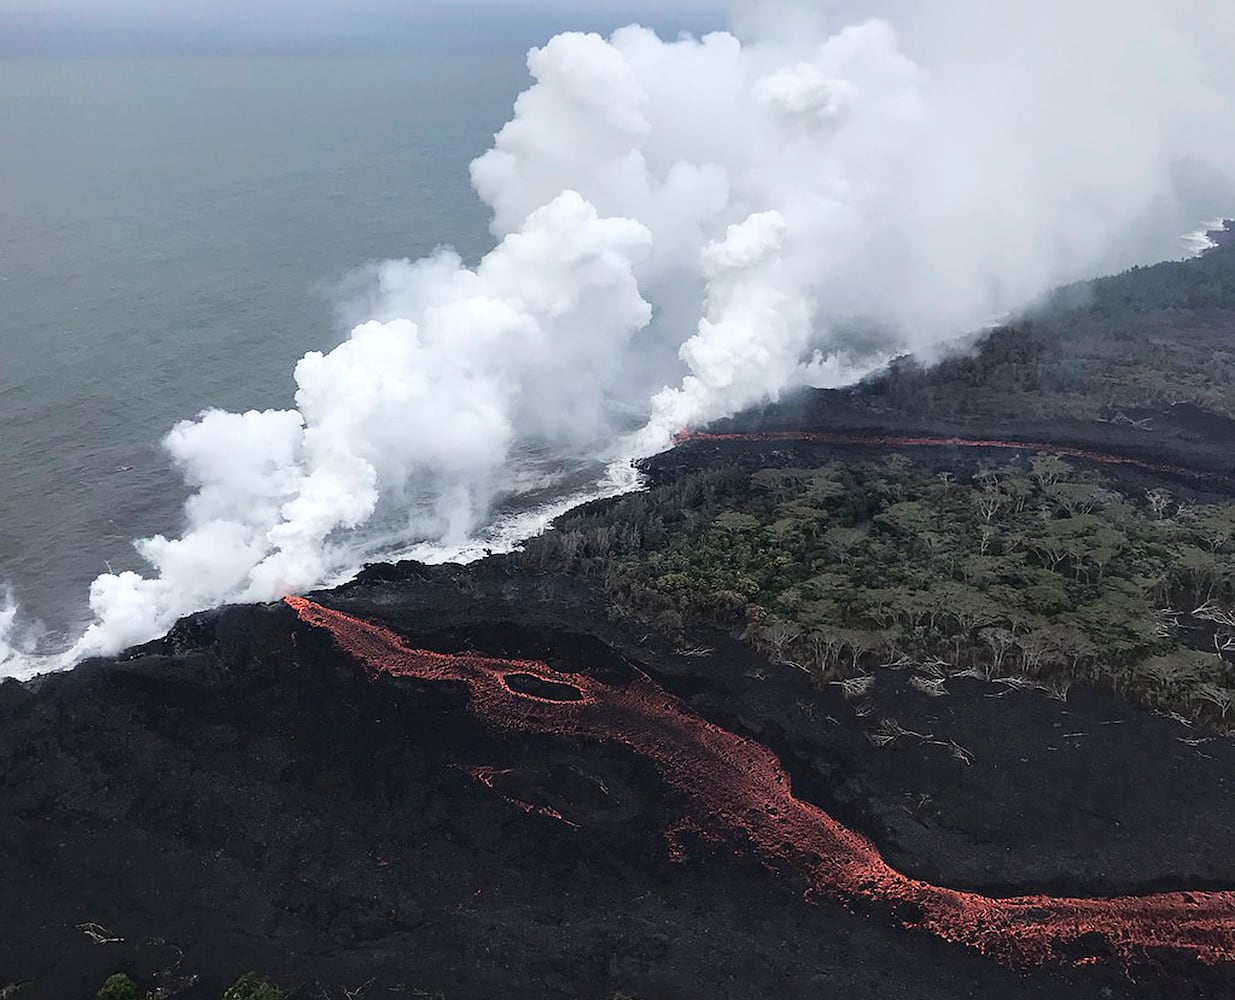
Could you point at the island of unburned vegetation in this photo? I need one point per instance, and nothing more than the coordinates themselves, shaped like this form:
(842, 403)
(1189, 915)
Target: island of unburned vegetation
(1029, 574)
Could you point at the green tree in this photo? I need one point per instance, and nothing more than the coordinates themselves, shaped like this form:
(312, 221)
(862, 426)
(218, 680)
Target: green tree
(251, 986)
(119, 987)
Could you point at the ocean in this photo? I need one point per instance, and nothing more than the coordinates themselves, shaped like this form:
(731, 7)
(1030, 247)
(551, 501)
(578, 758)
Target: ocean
(174, 235)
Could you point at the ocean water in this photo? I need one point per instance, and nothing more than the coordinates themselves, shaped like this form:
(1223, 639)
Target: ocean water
(174, 235)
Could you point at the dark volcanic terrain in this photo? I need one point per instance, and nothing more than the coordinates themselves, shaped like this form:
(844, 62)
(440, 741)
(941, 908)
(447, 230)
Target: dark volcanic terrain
(246, 794)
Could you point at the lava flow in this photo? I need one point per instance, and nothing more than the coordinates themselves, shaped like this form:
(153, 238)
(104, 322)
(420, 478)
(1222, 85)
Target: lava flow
(889, 441)
(737, 786)
(488, 776)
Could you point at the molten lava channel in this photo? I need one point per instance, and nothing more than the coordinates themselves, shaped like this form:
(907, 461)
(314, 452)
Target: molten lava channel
(739, 787)
(888, 441)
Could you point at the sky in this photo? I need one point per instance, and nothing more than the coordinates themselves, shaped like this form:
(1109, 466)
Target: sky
(101, 26)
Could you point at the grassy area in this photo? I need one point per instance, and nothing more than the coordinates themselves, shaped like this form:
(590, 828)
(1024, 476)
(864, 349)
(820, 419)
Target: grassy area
(1041, 573)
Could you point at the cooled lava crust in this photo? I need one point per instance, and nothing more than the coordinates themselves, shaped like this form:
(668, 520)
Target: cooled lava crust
(738, 788)
(580, 812)
(1182, 446)
(895, 441)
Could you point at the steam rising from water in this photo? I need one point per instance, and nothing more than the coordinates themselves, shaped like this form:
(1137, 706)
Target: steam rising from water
(1201, 240)
(8, 619)
(17, 639)
(689, 227)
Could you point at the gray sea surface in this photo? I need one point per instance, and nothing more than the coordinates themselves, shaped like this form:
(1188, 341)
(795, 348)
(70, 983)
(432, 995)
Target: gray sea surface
(173, 234)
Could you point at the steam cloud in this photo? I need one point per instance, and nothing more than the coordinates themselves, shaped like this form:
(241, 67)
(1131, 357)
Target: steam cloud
(689, 227)
(9, 655)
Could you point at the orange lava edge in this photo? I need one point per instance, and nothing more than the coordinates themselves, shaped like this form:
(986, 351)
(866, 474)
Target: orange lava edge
(738, 786)
(885, 441)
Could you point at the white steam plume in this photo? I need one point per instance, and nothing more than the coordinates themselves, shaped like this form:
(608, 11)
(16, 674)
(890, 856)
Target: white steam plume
(522, 346)
(1201, 241)
(8, 619)
(688, 227)
(16, 642)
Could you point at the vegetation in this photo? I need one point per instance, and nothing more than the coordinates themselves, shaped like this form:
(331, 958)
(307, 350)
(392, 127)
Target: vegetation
(1039, 572)
(119, 987)
(251, 986)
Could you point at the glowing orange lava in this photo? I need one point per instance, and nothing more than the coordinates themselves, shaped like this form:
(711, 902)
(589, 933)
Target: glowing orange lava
(737, 786)
(488, 776)
(887, 441)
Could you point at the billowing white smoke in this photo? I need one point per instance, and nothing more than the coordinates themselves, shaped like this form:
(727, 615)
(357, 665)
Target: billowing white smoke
(688, 227)
(8, 619)
(467, 363)
(16, 642)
